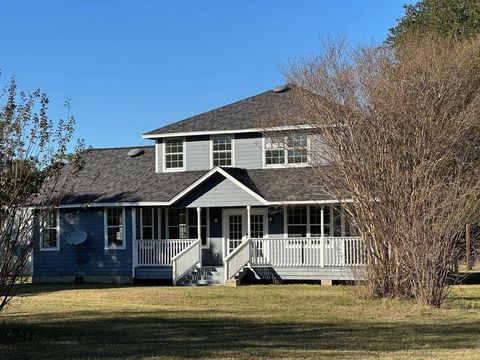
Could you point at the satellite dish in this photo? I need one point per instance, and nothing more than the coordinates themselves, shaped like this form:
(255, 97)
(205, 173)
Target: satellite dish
(76, 237)
(135, 152)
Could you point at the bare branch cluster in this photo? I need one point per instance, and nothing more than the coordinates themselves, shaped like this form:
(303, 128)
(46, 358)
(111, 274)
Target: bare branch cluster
(398, 130)
(33, 151)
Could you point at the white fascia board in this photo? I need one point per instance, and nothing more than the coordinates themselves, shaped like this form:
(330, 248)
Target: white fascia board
(193, 185)
(307, 202)
(243, 187)
(217, 132)
(183, 193)
(218, 170)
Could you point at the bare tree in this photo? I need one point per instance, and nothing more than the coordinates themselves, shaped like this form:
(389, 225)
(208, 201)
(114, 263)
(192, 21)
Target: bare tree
(33, 151)
(396, 130)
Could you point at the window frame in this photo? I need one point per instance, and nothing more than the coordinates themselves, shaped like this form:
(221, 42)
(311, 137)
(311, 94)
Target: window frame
(188, 225)
(285, 151)
(327, 209)
(142, 216)
(106, 227)
(232, 150)
(264, 213)
(57, 234)
(306, 223)
(164, 154)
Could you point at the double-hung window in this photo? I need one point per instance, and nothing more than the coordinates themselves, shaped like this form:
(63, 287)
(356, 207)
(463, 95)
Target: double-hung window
(147, 223)
(303, 220)
(222, 150)
(182, 224)
(114, 228)
(297, 146)
(297, 221)
(49, 232)
(174, 154)
(288, 149)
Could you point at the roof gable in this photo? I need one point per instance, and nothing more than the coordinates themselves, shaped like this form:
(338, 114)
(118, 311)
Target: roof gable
(218, 191)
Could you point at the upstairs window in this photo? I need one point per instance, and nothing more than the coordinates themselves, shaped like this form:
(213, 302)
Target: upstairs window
(174, 154)
(114, 228)
(222, 150)
(290, 149)
(49, 235)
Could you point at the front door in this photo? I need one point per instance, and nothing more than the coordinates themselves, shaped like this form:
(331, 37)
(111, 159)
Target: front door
(235, 228)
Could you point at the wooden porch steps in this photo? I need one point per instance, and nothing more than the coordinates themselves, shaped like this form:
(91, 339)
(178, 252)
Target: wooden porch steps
(204, 276)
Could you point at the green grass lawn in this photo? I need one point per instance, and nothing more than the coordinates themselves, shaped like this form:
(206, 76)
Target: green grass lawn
(291, 321)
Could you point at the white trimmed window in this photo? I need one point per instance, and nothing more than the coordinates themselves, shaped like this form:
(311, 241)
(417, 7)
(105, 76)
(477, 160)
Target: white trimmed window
(49, 232)
(222, 150)
(114, 228)
(301, 221)
(182, 224)
(290, 149)
(297, 221)
(174, 154)
(147, 223)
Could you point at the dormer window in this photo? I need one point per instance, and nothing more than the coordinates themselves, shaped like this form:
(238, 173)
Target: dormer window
(222, 150)
(174, 151)
(289, 149)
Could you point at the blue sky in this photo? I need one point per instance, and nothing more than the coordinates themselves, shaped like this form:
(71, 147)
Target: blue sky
(131, 66)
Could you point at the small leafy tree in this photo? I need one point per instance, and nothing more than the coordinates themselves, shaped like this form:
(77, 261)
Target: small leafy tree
(397, 131)
(33, 152)
(447, 18)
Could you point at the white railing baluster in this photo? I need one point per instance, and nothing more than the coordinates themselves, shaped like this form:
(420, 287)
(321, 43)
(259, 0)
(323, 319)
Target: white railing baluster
(308, 252)
(160, 252)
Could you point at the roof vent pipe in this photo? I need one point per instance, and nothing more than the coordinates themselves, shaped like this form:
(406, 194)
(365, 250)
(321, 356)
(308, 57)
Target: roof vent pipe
(135, 152)
(280, 89)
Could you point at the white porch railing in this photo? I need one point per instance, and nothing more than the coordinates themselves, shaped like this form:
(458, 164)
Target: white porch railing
(237, 259)
(160, 252)
(186, 260)
(308, 252)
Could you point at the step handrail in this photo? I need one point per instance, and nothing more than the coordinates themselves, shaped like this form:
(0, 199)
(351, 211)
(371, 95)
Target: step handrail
(237, 259)
(186, 260)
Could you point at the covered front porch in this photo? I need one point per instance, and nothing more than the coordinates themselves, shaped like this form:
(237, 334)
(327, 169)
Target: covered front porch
(302, 242)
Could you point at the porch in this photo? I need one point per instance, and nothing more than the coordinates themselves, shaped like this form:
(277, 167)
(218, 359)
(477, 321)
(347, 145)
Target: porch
(247, 239)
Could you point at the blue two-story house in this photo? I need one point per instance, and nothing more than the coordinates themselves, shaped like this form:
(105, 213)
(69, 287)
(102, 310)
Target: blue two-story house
(213, 199)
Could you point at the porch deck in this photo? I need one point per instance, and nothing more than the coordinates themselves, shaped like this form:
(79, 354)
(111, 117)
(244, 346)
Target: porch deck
(318, 258)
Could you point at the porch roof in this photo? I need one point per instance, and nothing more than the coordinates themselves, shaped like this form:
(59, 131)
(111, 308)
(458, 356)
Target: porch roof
(109, 176)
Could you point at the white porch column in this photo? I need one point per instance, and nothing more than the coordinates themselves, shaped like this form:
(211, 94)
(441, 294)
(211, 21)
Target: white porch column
(249, 225)
(134, 240)
(322, 238)
(199, 223)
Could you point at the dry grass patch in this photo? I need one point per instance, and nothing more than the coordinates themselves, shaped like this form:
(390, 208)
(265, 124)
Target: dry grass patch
(294, 321)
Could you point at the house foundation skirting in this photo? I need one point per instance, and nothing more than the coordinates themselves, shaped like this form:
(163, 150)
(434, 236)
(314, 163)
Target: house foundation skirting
(39, 279)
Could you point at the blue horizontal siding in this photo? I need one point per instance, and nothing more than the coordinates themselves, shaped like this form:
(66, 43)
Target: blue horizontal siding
(89, 258)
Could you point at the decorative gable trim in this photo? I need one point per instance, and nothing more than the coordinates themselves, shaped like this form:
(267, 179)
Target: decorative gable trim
(218, 170)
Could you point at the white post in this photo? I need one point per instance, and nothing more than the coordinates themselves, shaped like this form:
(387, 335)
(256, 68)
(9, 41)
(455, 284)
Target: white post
(322, 239)
(199, 223)
(199, 231)
(249, 225)
(134, 241)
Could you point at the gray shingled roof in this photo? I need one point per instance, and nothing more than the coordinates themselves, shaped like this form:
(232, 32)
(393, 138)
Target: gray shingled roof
(110, 176)
(273, 108)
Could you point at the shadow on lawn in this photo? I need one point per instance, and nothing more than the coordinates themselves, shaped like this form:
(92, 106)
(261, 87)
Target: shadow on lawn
(143, 334)
(35, 289)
